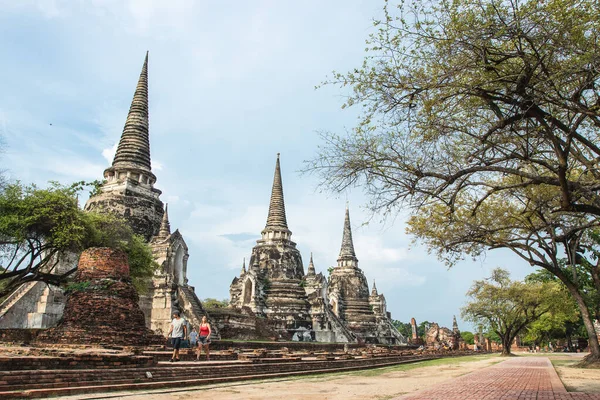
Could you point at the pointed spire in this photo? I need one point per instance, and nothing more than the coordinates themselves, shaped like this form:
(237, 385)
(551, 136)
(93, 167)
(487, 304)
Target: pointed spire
(276, 218)
(243, 267)
(134, 146)
(374, 291)
(347, 250)
(165, 226)
(311, 266)
(454, 324)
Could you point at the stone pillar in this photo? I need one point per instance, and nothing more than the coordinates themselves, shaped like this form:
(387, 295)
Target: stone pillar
(413, 325)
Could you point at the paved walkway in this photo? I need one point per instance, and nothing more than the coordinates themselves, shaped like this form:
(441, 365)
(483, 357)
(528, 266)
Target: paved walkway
(516, 378)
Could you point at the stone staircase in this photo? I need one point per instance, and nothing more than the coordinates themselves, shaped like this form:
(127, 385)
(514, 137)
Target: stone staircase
(63, 382)
(188, 297)
(339, 325)
(15, 296)
(394, 331)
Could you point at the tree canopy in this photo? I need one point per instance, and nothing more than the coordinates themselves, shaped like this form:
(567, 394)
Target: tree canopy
(482, 117)
(211, 303)
(508, 307)
(39, 227)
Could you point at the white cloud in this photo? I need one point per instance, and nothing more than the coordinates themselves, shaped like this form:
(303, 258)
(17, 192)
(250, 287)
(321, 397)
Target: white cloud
(109, 153)
(157, 165)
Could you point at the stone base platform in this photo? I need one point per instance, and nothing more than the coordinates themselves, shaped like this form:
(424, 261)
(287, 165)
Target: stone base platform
(45, 382)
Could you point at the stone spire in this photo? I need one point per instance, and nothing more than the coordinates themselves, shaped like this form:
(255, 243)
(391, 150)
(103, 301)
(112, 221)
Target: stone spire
(347, 255)
(454, 324)
(311, 266)
(374, 291)
(134, 146)
(165, 226)
(243, 271)
(132, 158)
(276, 218)
(276, 227)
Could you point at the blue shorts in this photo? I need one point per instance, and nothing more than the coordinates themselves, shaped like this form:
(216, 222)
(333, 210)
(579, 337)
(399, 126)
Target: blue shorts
(176, 342)
(202, 340)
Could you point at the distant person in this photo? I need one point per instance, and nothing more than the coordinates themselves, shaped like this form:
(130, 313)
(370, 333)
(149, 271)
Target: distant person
(193, 338)
(177, 332)
(204, 339)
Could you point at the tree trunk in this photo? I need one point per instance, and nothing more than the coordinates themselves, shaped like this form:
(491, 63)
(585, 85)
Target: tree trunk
(506, 343)
(587, 321)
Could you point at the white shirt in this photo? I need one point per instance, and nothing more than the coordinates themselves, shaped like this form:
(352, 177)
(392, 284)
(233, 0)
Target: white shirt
(178, 325)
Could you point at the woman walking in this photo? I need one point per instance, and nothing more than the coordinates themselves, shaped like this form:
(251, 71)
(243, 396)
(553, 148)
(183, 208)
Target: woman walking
(204, 339)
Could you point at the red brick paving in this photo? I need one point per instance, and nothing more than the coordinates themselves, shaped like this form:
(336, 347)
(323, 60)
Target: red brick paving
(517, 378)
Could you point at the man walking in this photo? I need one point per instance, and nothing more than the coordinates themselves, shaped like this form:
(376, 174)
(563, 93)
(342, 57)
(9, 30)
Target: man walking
(177, 331)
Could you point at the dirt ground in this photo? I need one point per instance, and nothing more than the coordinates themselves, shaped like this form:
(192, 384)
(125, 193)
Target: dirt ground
(576, 379)
(377, 384)
(364, 385)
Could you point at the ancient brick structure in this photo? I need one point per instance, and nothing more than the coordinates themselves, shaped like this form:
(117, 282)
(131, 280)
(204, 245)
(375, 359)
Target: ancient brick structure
(103, 306)
(348, 292)
(271, 298)
(274, 286)
(129, 182)
(128, 191)
(442, 337)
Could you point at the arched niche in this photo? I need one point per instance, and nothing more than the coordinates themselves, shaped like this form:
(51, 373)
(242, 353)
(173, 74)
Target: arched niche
(178, 267)
(248, 291)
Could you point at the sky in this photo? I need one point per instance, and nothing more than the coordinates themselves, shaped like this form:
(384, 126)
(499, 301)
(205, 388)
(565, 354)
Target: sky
(231, 84)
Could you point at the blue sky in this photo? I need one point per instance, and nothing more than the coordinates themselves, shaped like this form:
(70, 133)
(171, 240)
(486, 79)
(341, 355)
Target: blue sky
(231, 84)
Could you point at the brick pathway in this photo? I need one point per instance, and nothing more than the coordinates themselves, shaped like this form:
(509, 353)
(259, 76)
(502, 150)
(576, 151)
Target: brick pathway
(523, 378)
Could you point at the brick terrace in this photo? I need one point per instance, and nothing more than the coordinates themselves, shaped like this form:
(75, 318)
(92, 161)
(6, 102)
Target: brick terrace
(517, 378)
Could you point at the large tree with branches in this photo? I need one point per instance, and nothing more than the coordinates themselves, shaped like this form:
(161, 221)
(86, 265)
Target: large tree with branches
(483, 117)
(40, 227)
(508, 307)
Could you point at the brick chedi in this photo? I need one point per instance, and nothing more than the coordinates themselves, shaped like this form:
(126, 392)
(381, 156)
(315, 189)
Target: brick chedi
(272, 285)
(363, 313)
(103, 305)
(326, 325)
(349, 290)
(129, 189)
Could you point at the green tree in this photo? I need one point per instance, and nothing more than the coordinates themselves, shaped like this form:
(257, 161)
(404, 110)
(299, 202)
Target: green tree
(468, 337)
(508, 307)
(211, 303)
(422, 329)
(38, 227)
(483, 117)
(557, 324)
(403, 327)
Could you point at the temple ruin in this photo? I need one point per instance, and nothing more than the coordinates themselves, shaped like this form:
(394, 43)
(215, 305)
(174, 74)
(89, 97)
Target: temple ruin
(338, 309)
(441, 337)
(272, 298)
(128, 191)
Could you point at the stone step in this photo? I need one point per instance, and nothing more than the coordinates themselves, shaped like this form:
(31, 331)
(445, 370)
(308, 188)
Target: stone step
(255, 373)
(8, 378)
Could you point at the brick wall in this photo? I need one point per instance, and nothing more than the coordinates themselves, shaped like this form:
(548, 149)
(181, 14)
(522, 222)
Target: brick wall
(102, 262)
